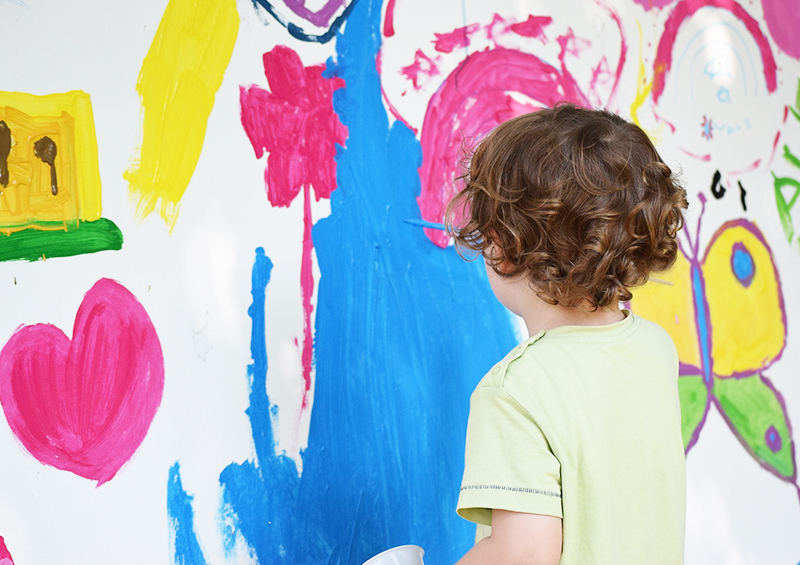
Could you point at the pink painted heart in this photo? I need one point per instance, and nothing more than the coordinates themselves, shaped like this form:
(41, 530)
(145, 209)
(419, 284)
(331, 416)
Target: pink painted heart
(85, 405)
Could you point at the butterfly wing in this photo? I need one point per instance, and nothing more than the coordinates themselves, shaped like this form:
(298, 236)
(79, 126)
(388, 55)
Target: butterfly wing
(745, 303)
(748, 324)
(671, 306)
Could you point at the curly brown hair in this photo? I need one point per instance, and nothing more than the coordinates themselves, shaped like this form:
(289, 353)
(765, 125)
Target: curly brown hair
(577, 199)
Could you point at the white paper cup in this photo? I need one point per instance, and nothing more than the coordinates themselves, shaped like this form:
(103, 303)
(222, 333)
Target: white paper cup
(400, 555)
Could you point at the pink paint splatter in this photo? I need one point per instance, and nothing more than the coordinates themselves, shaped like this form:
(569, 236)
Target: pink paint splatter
(85, 405)
(295, 123)
(456, 39)
(682, 12)
(422, 65)
(5, 556)
(707, 128)
(783, 21)
(472, 101)
(532, 27)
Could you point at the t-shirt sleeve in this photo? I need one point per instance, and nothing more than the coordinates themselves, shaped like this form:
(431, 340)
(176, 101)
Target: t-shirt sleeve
(508, 461)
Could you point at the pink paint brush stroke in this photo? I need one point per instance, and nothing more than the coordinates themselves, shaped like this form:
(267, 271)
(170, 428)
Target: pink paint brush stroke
(295, 123)
(85, 405)
(5, 556)
(456, 39)
(473, 100)
(686, 9)
(532, 27)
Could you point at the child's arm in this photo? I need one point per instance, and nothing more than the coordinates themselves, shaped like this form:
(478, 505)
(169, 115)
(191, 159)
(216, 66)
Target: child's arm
(518, 539)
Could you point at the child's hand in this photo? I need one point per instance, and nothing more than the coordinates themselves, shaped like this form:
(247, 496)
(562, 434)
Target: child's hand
(518, 539)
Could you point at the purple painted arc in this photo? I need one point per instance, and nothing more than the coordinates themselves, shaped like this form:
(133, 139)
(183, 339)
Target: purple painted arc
(686, 9)
(465, 107)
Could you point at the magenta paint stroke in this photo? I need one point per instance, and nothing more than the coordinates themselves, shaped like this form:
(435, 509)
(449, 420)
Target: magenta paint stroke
(388, 21)
(473, 100)
(532, 27)
(456, 39)
(295, 123)
(5, 556)
(650, 4)
(85, 405)
(685, 10)
(783, 21)
(422, 65)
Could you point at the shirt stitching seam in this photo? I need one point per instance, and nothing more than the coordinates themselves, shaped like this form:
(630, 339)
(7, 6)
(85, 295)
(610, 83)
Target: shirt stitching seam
(525, 490)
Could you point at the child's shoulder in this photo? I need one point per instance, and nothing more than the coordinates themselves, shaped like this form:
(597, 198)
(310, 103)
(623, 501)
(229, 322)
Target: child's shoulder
(543, 355)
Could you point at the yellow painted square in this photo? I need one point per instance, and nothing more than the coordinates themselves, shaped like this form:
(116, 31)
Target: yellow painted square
(66, 118)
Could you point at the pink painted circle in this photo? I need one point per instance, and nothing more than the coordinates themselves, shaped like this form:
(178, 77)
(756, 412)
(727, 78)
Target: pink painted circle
(783, 21)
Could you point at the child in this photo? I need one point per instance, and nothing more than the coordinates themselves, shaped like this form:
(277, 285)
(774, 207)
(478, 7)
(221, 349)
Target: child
(574, 452)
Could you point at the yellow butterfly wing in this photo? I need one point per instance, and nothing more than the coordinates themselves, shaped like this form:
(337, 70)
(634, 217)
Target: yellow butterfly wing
(672, 307)
(745, 304)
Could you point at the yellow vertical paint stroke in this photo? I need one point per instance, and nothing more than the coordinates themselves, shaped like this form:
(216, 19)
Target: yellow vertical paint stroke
(179, 78)
(643, 87)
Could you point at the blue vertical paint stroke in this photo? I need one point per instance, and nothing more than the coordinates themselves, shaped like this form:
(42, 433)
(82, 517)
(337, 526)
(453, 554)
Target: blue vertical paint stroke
(186, 549)
(404, 331)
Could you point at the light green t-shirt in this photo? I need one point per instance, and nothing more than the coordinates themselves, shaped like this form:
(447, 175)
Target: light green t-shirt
(584, 423)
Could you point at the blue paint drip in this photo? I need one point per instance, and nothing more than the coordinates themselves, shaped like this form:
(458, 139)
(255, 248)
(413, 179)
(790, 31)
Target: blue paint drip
(181, 522)
(702, 321)
(404, 331)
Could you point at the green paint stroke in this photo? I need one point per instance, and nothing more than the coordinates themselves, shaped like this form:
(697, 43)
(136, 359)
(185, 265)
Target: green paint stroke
(785, 206)
(76, 239)
(694, 397)
(757, 416)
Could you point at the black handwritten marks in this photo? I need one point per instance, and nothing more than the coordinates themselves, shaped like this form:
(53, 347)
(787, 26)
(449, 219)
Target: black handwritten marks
(719, 190)
(716, 187)
(45, 148)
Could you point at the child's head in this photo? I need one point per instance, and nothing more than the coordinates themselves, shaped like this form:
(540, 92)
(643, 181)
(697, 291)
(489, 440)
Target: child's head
(577, 200)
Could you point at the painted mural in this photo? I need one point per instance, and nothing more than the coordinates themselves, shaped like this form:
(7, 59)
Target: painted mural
(49, 178)
(282, 372)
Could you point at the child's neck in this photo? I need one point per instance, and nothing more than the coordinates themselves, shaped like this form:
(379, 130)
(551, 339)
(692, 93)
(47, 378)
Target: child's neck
(541, 316)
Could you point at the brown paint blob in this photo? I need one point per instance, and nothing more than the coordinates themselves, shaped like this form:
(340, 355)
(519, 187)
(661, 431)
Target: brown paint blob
(5, 149)
(46, 150)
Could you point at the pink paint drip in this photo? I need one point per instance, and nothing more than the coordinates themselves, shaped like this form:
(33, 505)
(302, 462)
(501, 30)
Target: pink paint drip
(307, 289)
(296, 124)
(5, 556)
(456, 39)
(472, 101)
(532, 27)
(388, 21)
(85, 405)
(686, 9)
